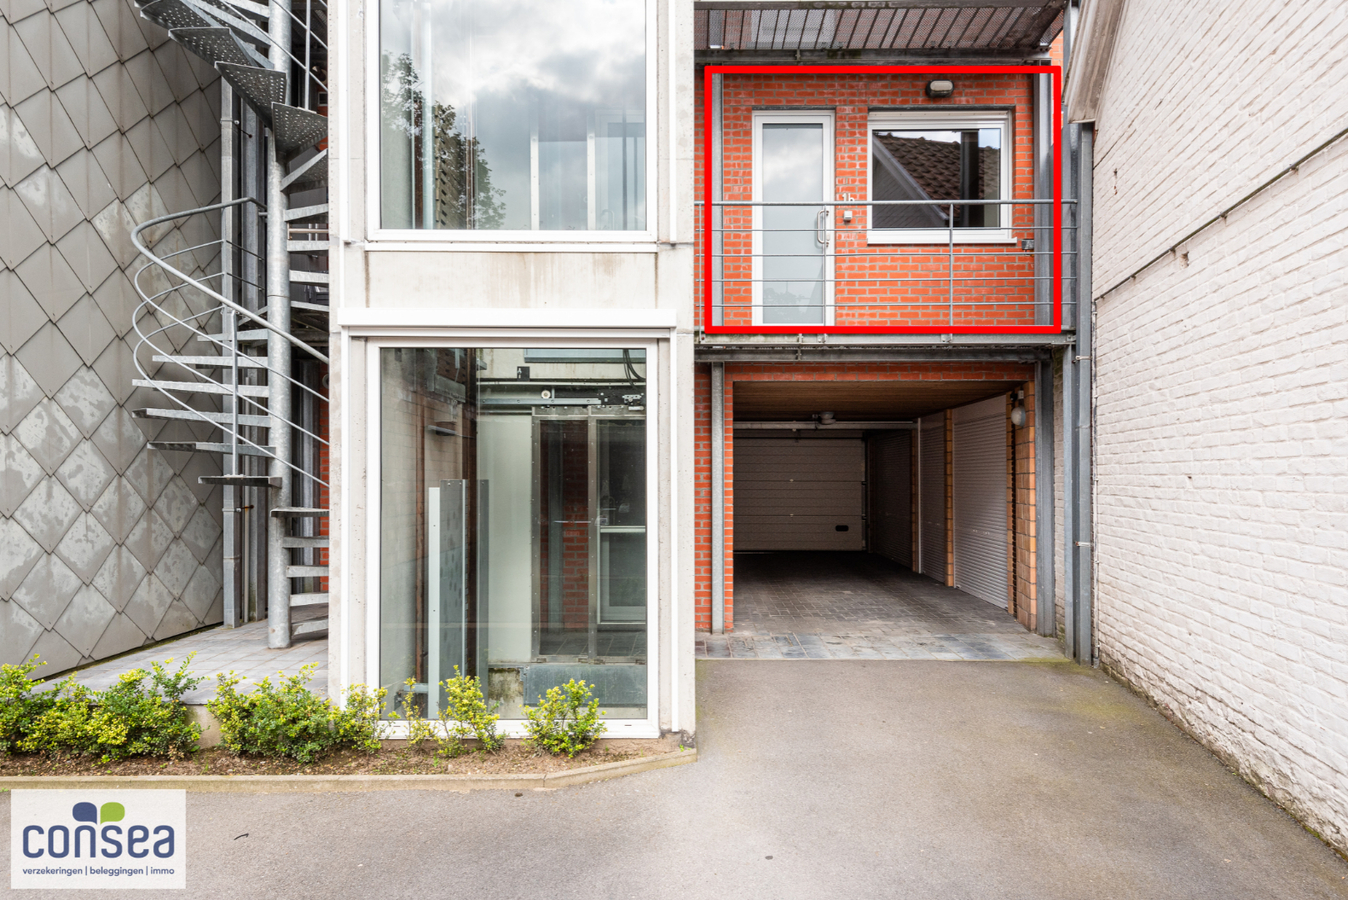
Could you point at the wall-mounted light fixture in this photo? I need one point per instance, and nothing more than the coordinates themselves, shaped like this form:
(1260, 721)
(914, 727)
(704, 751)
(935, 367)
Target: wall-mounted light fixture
(941, 87)
(1018, 417)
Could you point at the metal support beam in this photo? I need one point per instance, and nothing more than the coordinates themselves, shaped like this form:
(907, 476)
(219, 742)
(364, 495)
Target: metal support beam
(718, 498)
(1043, 190)
(252, 180)
(1046, 617)
(229, 464)
(1028, 354)
(278, 354)
(948, 56)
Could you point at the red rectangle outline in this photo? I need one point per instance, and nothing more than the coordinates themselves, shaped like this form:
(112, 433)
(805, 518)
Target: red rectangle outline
(709, 71)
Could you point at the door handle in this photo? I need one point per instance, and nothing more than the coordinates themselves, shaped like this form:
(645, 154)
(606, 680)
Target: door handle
(821, 228)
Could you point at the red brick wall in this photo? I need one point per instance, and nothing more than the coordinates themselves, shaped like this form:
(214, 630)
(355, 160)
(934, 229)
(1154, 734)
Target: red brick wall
(786, 372)
(574, 596)
(1024, 603)
(1009, 293)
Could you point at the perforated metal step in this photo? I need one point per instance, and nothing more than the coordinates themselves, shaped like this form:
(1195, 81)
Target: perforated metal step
(260, 88)
(296, 129)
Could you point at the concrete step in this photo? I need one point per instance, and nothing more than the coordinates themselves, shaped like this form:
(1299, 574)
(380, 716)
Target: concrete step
(297, 277)
(305, 571)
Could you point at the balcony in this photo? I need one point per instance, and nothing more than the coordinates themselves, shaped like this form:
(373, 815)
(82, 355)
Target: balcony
(958, 266)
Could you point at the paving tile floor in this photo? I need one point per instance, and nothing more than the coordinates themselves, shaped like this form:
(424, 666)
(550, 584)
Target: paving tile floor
(860, 606)
(243, 650)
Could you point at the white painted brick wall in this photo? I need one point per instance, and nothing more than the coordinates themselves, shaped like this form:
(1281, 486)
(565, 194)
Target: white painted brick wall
(1204, 100)
(1222, 389)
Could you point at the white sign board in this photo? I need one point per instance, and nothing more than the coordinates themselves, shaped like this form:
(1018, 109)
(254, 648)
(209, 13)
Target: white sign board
(98, 839)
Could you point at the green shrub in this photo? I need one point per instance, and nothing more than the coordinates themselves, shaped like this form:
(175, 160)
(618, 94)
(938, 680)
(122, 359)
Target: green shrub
(465, 715)
(131, 718)
(19, 706)
(566, 720)
(358, 724)
(287, 720)
(418, 729)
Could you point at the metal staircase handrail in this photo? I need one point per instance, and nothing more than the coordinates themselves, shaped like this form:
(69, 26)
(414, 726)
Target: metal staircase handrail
(206, 379)
(151, 300)
(209, 292)
(222, 344)
(145, 339)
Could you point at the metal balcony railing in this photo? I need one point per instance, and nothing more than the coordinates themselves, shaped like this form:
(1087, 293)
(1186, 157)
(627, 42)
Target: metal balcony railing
(826, 267)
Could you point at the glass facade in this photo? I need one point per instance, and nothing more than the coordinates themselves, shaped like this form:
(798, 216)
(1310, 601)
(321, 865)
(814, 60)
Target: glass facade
(514, 115)
(515, 529)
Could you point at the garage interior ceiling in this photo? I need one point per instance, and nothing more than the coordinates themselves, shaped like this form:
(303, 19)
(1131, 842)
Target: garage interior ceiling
(857, 401)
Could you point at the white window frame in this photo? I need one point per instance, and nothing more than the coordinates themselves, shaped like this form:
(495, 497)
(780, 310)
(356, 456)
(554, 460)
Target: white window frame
(820, 117)
(945, 120)
(649, 727)
(513, 240)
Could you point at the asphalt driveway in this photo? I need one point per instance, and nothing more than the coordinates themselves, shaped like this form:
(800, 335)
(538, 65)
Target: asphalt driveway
(864, 778)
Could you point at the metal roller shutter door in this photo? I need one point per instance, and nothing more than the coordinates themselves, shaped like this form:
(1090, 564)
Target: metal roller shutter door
(796, 494)
(891, 482)
(980, 500)
(931, 496)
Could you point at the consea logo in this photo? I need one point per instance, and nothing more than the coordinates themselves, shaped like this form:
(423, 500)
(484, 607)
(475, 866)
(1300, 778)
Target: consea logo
(107, 839)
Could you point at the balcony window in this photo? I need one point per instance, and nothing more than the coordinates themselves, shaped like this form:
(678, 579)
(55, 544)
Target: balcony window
(513, 115)
(931, 175)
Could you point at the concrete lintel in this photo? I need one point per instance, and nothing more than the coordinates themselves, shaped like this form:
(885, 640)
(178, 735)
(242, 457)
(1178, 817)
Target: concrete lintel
(944, 56)
(947, 340)
(814, 353)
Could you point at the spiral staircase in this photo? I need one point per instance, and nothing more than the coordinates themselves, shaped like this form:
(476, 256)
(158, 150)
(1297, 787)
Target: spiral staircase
(233, 319)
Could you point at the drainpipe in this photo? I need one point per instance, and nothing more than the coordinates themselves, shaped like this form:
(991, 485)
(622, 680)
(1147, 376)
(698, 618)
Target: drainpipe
(1043, 190)
(1046, 620)
(1084, 382)
(718, 498)
(278, 354)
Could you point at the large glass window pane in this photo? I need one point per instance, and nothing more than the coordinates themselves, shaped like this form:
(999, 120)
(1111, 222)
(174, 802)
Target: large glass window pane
(792, 262)
(914, 164)
(524, 115)
(514, 523)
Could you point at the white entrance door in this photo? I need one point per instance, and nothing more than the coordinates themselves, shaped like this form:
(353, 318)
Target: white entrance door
(793, 243)
(980, 499)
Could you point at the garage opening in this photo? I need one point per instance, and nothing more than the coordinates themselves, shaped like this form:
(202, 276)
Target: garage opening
(877, 519)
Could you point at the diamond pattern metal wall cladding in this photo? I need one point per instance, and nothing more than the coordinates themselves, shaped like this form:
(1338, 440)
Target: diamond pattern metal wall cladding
(103, 544)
